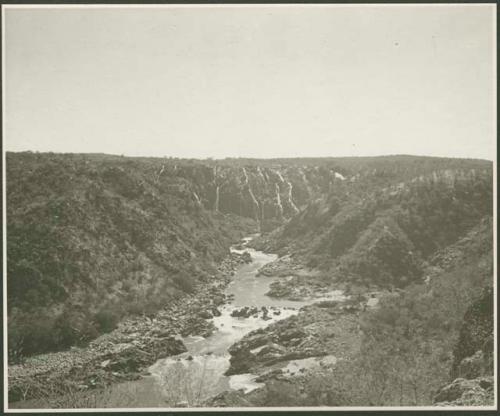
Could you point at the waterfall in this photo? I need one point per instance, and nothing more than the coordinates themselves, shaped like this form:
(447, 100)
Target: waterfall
(261, 216)
(254, 200)
(196, 197)
(159, 174)
(278, 199)
(280, 176)
(253, 197)
(290, 199)
(306, 183)
(216, 207)
(339, 176)
(261, 174)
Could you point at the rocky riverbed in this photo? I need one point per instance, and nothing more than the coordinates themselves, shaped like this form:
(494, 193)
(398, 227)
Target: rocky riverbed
(132, 347)
(324, 328)
(278, 341)
(293, 349)
(294, 281)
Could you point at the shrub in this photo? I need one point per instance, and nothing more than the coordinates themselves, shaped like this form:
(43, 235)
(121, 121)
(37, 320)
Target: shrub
(106, 319)
(185, 283)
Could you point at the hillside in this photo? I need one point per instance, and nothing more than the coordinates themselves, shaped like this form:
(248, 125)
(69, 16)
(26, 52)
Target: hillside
(92, 241)
(93, 238)
(429, 343)
(385, 236)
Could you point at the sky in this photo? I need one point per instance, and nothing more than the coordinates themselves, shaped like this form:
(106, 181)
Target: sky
(259, 81)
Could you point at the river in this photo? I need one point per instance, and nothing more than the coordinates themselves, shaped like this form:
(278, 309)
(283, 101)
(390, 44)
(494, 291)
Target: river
(192, 377)
(189, 379)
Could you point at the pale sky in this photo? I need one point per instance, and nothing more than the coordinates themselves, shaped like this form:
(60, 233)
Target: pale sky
(258, 81)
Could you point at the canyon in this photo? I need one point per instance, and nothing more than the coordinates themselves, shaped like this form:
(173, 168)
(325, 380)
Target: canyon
(128, 269)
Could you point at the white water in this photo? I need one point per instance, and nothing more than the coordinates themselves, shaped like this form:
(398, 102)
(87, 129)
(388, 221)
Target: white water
(280, 176)
(290, 199)
(161, 171)
(278, 199)
(245, 174)
(339, 176)
(197, 198)
(190, 378)
(216, 207)
(255, 202)
(259, 171)
(306, 182)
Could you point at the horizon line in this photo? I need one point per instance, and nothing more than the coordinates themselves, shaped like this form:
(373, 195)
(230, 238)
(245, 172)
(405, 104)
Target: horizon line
(213, 158)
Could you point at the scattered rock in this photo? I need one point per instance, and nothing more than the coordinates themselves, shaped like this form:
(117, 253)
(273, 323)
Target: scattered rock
(246, 257)
(205, 315)
(473, 366)
(124, 353)
(105, 363)
(462, 392)
(244, 312)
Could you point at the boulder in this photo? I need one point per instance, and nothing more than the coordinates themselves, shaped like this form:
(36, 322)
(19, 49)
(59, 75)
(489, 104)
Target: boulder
(236, 313)
(271, 351)
(244, 312)
(205, 314)
(290, 334)
(270, 375)
(105, 363)
(218, 300)
(472, 367)
(240, 362)
(327, 304)
(246, 257)
(462, 392)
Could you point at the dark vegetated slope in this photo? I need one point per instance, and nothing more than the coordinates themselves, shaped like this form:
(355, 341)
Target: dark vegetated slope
(476, 335)
(90, 241)
(416, 337)
(382, 236)
(423, 333)
(94, 237)
(432, 237)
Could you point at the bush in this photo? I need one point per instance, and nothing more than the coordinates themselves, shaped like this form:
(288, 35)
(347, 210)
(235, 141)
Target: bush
(185, 283)
(106, 320)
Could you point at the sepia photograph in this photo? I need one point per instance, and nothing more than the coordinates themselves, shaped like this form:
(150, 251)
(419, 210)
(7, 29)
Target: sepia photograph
(231, 207)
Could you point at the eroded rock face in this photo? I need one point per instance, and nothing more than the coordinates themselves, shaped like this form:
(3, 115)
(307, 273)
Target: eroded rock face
(268, 194)
(135, 357)
(284, 266)
(472, 370)
(473, 353)
(473, 366)
(462, 392)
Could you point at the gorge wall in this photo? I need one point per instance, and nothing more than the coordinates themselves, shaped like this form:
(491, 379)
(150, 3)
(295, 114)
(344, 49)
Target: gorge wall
(93, 238)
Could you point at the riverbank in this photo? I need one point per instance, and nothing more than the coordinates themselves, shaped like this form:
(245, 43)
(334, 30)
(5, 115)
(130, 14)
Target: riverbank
(228, 326)
(291, 351)
(125, 353)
